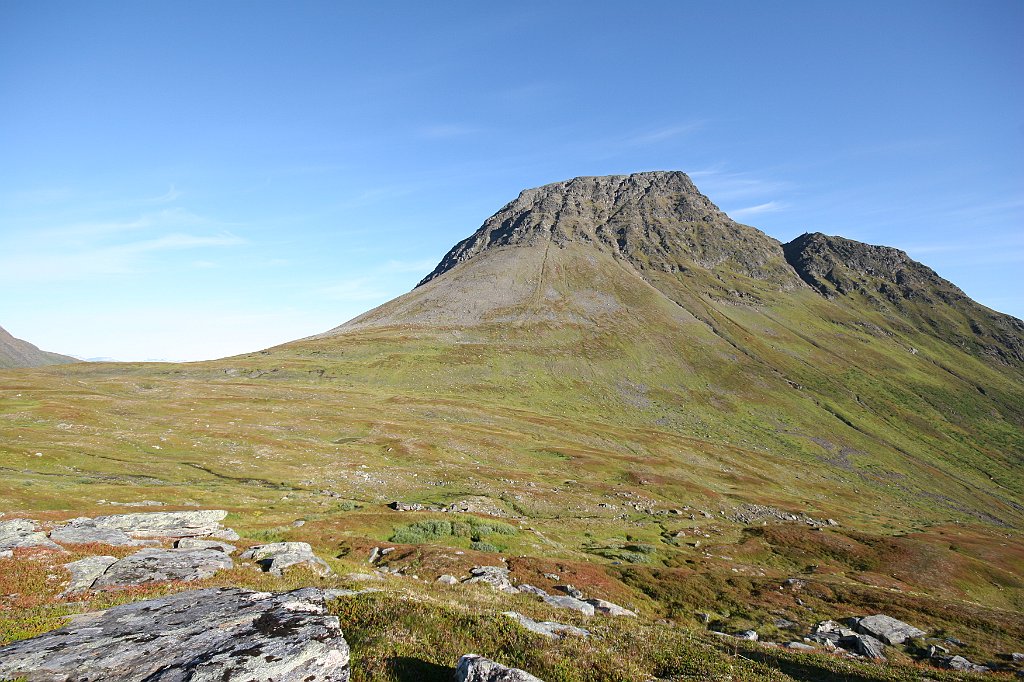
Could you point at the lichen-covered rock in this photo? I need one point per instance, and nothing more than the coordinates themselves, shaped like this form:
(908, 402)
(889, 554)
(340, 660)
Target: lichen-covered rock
(610, 609)
(202, 635)
(475, 668)
(179, 524)
(198, 543)
(277, 556)
(85, 530)
(865, 645)
(161, 565)
(569, 603)
(22, 533)
(84, 573)
(495, 576)
(886, 629)
(964, 665)
(547, 628)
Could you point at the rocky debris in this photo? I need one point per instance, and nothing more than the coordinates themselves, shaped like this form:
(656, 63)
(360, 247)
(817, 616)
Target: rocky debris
(886, 628)
(475, 668)
(569, 603)
(610, 609)
(830, 631)
(546, 627)
(865, 645)
(156, 565)
(751, 513)
(84, 573)
(747, 634)
(495, 576)
(212, 634)
(473, 505)
(85, 530)
(197, 543)
(962, 664)
(795, 583)
(179, 524)
(277, 556)
(570, 590)
(448, 580)
(22, 533)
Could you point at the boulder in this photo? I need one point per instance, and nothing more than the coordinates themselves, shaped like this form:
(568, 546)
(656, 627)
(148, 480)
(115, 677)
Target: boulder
(495, 576)
(573, 592)
(865, 645)
(161, 565)
(197, 543)
(180, 524)
(277, 556)
(962, 664)
(448, 580)
(212, 634)
(886, 629)
(610, 609)
(474, 668)
(570, 603)
(84, 573)
(547, 628)
(530, 589)
(22, 533)
(799, 646)
(747, 634)
(85, 530)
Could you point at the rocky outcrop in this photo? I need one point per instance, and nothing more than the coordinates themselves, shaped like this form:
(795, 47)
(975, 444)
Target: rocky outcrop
(85, 530)
(608, 608)
(23, 534)
(213, 634)
(84, 573)
(566, 602)
(495, 576)
(180, 524)
(962, 664)
(163, 565)
(197, 543)
(278, 556)
(547, 628)
(475, 668)
(886, 628)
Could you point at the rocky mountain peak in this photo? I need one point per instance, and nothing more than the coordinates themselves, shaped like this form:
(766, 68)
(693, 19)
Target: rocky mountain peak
(656, 220)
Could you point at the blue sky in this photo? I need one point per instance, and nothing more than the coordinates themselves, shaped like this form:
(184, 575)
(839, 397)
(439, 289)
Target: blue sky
(187, 180)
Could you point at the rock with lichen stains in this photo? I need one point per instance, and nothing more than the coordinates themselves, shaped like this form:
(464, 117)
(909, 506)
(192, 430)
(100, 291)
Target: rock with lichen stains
(212, 634)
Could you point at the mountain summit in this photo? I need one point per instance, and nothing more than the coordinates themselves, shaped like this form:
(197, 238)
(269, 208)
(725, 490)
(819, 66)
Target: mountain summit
(654, 220)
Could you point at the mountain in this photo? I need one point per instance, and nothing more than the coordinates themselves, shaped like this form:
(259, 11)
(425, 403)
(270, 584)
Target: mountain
(609, 385)
(17, 353)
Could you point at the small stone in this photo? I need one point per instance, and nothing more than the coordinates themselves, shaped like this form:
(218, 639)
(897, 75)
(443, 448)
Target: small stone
(448, 580)
(747, 634)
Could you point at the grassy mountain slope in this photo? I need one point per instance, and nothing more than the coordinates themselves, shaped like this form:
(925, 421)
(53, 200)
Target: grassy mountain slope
(631, 380)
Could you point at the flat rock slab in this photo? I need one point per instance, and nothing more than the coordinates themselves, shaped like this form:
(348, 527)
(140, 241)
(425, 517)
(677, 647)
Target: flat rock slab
(547, 628)
(886, 629)
(277, 556)
(85, 530)
(22, 533)
(201, 635)
(162, 565)
(610, 609)
(85, 571)
(198, 543)
(474, 668)
(180, 524)
(569, 603)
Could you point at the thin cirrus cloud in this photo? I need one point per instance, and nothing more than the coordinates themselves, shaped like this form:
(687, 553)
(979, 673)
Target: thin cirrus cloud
(759, 209)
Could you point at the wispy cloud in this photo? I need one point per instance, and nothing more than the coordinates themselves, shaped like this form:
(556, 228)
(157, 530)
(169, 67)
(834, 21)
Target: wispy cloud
(658, 135)
(167, 197)
(446, 131)
(723, 186)
(767, 207)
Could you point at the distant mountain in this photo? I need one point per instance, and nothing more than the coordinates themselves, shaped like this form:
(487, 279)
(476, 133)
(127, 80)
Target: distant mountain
(17, 353)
